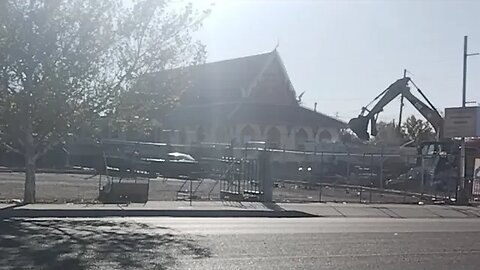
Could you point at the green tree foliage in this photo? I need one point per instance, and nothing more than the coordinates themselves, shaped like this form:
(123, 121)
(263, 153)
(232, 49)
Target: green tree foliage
(387, 134)
(65, 63)
(413, 129)
(417, 130)
(140, 111)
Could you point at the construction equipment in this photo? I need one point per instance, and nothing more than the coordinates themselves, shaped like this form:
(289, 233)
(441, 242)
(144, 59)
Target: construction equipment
(400, 87)
(437, 161)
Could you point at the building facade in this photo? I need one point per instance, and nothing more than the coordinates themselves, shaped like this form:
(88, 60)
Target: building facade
(243, 100)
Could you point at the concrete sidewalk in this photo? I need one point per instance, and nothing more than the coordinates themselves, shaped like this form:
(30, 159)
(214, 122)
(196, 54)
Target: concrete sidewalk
(154, 208)
(4, 206)
(384, 210)
(241, 209)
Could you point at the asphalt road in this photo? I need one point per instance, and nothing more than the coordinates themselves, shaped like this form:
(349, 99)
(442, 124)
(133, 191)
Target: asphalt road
(240, 243)
(318, 243)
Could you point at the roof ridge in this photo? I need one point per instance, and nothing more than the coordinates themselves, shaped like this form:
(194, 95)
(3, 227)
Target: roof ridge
(209, 63)
(234, 59)
(323, 114)
(207, 104)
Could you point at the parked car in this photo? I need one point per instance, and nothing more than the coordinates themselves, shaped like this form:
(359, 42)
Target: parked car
(174, 165)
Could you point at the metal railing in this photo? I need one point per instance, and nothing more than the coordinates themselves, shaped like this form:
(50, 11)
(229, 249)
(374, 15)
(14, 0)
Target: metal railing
(376, 172)
(301, 191)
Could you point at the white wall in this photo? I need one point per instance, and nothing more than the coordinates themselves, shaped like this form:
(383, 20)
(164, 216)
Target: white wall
(287, 139)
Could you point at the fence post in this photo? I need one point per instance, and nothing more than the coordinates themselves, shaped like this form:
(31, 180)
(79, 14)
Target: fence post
(457, 178)
(405, 182)
(191, 190)
(422, 187)
(266, 176)
(348, 166)
(381, 169)
(363, 169)
(321, 167)
(241, 176)
(371, 170)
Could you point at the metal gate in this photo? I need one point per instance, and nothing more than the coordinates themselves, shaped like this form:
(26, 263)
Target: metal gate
(246, 179)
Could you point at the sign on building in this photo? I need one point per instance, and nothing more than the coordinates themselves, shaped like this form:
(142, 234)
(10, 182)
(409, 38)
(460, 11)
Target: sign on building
(476, 178)
(462, 122)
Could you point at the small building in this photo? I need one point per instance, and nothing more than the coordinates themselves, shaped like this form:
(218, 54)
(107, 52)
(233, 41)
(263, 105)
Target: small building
(246, 99)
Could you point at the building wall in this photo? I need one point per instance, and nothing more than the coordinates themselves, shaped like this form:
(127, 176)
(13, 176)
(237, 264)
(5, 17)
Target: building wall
(273, 86)
(240, 133)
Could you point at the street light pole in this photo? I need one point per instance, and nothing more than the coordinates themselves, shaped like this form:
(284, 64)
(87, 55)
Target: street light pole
(464, 84)
(462, 187)
(462, 192)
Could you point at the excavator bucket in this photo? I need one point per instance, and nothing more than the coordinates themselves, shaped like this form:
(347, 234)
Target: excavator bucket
(359, 126)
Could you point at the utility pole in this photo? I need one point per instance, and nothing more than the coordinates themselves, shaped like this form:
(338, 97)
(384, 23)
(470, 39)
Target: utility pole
(463, 193)
(464, 81)
(401, 107)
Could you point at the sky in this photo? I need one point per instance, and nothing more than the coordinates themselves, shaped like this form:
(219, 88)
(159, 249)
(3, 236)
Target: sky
(344, 53)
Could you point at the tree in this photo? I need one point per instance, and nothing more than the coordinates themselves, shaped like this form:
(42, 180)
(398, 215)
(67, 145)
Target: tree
(140, 111)
(387, 134)
(417, 130)
(65, 63)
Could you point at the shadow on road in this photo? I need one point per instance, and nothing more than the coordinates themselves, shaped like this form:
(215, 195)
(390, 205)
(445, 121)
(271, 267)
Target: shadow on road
(273, 206)
(86, 244)
(253, 205)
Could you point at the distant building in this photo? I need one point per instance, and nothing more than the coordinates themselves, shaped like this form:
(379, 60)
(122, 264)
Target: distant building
(246, 99)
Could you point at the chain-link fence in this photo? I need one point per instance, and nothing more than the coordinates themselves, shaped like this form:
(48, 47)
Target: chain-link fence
(366, 177)
(355, 174)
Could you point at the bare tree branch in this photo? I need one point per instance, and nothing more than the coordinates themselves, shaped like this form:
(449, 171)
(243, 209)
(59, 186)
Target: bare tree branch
(10, 148)
(45, 149)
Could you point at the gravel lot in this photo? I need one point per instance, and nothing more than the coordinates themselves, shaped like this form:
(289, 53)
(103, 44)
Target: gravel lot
(84, 188)
(75, 187)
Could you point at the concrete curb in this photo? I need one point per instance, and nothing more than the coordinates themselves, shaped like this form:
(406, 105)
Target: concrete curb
(91, 213)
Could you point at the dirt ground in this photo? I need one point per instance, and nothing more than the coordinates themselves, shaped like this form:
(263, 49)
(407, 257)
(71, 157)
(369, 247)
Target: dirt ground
(84, 188)
(75, 187)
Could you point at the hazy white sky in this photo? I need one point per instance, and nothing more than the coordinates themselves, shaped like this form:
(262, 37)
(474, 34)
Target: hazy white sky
(344, 53)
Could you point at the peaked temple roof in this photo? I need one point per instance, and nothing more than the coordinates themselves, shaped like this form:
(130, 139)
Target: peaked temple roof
(227, 80)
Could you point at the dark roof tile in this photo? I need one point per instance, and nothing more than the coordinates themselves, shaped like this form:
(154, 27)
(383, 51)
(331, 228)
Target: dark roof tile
(251, 113)
(218, 81)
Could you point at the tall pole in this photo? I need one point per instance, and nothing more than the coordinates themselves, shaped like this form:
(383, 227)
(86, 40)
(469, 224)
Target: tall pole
(401, 106)
(462, 186)
(462, 194)
(464, 85)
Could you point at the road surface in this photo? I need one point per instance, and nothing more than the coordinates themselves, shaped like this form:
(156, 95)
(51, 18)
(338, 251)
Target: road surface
(241, 243)
(336, 243)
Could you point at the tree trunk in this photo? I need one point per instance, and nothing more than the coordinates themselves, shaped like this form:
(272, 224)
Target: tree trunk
(30, 160)
(29, 192)
(29, 146)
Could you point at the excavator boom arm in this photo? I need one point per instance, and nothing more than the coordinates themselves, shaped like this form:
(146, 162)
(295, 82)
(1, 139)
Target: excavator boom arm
(359, 124)
(395, 89)
(432, 116)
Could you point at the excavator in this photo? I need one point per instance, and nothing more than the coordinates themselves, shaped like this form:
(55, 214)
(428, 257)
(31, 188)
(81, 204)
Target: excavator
(436, 160)
(400, 87)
